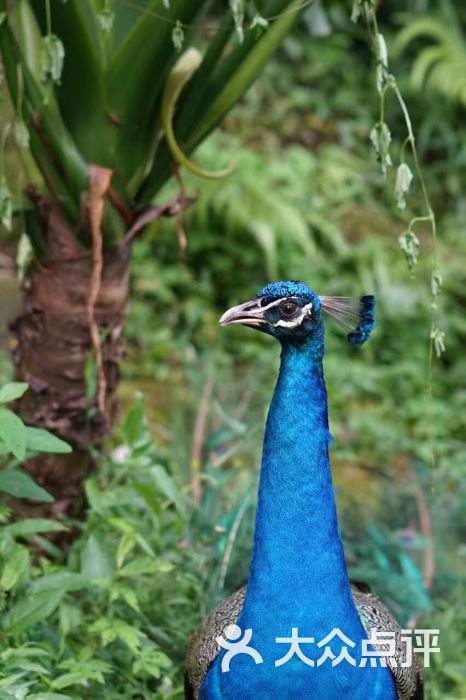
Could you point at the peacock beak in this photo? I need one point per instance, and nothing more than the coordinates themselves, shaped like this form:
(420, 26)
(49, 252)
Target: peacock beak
(249, 314)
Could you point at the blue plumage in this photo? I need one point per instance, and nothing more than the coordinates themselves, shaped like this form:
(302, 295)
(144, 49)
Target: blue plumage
(367, 321)
(298, 574)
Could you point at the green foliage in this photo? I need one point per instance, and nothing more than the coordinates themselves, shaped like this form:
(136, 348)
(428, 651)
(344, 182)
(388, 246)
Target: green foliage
(21, 441)
(110, 119)
(440, 66)
(87, 625)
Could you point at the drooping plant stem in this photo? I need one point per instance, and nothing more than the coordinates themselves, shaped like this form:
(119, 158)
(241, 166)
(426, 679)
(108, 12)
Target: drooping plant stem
(388, 82)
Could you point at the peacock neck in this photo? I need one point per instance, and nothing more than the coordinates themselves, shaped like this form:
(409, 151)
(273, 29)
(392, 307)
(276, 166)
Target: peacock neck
(298, 566)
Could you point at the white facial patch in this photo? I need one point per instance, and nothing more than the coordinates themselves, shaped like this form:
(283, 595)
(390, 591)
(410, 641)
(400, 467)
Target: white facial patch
(306, 312)
(272, 304)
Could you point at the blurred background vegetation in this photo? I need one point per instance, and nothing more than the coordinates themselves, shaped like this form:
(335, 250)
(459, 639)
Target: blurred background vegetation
(306, 200)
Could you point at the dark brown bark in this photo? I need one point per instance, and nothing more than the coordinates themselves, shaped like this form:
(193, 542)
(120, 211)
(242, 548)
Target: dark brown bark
(52, 346)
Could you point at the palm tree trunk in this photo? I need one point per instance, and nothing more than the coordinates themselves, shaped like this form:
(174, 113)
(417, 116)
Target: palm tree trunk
(54, 352)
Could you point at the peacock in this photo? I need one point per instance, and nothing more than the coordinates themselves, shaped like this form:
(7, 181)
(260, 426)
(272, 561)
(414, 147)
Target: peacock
(298, 586)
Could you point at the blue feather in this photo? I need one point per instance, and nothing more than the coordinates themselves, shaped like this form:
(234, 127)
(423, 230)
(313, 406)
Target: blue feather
(366, 323)
(355, 314)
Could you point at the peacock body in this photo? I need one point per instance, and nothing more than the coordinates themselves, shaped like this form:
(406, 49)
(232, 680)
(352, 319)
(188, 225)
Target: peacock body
(298, 582)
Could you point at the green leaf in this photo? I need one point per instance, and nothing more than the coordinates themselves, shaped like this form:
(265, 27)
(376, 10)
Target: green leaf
(146, 565)
(39, 440)
(135, 427)
(21, 485)
(64, 581)
(147, 55)
(70, 617)
(77, 678)
(32, 610)
(23, 652)
(110, 630)
(84, 110)
(181, 73)
(14, 568)
(167, 486)
(229, 92)
(192, 102)
(129, 595)
(125, 546)
(151, 661)
(95, 563)
(6, 696)
(13, 433)
(33, 526)
(72, 176)
(49, 696)
(12, 391)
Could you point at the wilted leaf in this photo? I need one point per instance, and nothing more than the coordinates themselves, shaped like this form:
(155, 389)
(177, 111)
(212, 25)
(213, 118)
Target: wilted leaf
(6, 205)
(237, 9)
(380, 137)
(438, 337)
(178, 37)
(436, 283)
(105, 19)
(404, 177)
(382, 54)
(259, 22)
(409, 244)
(52, 56)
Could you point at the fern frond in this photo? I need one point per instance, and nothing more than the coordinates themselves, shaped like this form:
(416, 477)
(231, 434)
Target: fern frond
(441, 66)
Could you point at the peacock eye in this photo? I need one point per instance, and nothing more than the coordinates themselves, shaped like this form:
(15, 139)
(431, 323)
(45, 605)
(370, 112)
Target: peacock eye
(288, 308)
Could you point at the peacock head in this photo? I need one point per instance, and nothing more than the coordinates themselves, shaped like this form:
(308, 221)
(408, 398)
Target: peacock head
(293, 311)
